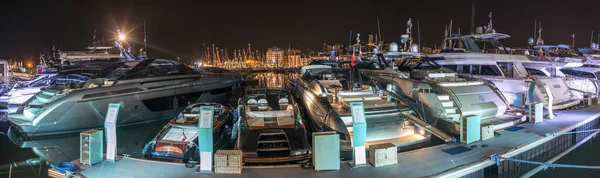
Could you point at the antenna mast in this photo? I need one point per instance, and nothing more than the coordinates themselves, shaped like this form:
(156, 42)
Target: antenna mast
(472, 19)
(419, 35)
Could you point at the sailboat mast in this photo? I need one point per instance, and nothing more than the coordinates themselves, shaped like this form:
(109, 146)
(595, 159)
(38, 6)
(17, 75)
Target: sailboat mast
(419, 35)
(145, 45)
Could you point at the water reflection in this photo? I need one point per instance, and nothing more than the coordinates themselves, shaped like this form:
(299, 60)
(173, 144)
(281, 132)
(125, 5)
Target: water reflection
(131, 141)
(270, 80)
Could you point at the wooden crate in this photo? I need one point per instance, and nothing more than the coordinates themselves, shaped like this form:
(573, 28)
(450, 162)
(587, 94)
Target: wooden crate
(228, 162)
(383, 154)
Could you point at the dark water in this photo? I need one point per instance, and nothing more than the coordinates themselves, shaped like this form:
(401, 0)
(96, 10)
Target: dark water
(13, 148)
(587, 154)
(130, 140)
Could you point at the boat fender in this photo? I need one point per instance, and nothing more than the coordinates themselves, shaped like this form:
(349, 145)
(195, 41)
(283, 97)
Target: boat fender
(65, 166)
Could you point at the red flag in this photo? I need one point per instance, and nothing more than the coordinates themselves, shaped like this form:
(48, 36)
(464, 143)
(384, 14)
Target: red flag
(183, 137)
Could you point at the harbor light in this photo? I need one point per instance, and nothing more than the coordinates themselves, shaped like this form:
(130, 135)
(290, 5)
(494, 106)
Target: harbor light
(121, 37)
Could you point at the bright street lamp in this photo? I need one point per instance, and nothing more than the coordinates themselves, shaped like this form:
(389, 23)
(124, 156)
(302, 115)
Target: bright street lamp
(121, 37)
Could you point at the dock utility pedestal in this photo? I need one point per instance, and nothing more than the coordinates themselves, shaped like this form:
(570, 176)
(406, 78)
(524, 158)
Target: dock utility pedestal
(470, 129)
(91, 147)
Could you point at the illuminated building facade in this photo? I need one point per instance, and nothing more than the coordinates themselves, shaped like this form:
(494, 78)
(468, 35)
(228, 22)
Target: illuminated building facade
(275, 57)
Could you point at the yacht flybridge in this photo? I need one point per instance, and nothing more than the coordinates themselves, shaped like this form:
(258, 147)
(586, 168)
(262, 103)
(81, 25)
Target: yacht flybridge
(326, 101)
(482, 56)
(440, 96)
(148, 90)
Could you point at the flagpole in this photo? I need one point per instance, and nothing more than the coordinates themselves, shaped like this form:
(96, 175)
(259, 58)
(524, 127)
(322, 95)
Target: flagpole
(145, 45)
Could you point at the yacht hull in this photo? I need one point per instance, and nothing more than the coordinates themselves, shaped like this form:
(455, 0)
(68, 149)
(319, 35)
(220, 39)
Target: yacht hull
(142, 101)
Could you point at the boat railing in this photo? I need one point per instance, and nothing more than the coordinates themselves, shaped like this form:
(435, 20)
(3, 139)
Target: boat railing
(584, 87)
(453, 96)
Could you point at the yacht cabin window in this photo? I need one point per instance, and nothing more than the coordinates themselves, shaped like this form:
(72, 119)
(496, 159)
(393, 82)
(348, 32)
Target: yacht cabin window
(535, 72)
(576, 73)
(507, 68)
(490, 70)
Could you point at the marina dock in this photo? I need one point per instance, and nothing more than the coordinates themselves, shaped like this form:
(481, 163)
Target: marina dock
(532, 142)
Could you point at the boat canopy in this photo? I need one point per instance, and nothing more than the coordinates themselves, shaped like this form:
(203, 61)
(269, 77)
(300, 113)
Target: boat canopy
(320, 72)
(558, 50)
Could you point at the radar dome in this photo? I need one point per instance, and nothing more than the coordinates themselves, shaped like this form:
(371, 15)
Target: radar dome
(479, 30)
(393, 47)
(530, 41)
(415, 48)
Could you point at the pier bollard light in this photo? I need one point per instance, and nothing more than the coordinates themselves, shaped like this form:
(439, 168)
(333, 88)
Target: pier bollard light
(110, 127)
(359, 135)
(205, 139)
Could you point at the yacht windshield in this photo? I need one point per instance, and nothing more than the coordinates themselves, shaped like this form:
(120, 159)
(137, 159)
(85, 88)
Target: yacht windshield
(157, 68)
(117, 70)
(319, 74)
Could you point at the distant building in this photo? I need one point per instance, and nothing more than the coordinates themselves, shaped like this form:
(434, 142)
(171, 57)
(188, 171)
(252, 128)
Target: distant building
(275, 57)
(293, 58)
(371, 43)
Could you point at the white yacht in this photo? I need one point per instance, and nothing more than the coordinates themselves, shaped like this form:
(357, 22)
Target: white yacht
(482, 56)
(440, 96)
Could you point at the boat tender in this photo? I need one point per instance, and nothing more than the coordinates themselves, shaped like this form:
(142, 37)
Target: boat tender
(270, 128)
(178, 140)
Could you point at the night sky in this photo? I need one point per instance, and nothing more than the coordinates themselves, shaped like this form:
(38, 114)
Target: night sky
(177, 28)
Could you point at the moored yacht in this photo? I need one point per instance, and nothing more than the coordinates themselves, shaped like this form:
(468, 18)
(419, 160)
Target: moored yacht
(440, 96)
(482, 56)
(270, 128)
(148, 90)
(176, 142)
(327, 100)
